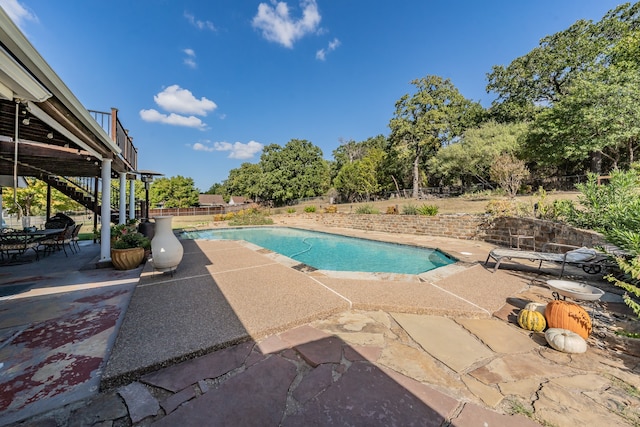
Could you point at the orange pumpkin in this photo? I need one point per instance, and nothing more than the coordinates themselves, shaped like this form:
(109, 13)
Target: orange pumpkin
(568, 315)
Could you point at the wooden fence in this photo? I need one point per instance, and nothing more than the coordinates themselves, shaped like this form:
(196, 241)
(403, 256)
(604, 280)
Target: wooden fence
(207, 210)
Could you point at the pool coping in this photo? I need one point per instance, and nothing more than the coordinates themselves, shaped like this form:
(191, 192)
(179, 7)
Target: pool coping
(435, 273)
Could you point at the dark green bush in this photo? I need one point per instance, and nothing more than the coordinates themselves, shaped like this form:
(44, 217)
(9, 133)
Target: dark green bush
(613, 208)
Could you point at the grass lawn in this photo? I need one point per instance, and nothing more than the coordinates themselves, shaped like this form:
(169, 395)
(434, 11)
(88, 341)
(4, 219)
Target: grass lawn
(449, 205)
(446, 205)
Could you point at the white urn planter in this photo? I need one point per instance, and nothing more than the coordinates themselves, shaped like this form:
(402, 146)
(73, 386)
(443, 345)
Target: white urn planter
(166, 249)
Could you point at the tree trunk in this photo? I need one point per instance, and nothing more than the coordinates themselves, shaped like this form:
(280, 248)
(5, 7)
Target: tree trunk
(416, 173)
(596, 162)
(396, 183)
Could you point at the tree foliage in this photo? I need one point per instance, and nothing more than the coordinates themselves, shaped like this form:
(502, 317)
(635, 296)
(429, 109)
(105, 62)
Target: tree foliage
(469, 160)
(174, 192)
(350, 151)
(545, 75)
(579, 91)
(359, 168)
(599, 117)
(358, 180)
(294, 171)
(435, 115)
(245, 180)
(32, 200)
(217, 188)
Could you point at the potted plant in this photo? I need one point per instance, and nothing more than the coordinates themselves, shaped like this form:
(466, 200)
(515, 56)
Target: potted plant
(128, 246)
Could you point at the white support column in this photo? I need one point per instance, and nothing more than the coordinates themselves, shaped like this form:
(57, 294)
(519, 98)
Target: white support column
(105, 212)
(122, 217)
(132, 199)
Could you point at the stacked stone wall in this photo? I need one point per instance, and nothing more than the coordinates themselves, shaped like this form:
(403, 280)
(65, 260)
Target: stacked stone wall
(466, 227)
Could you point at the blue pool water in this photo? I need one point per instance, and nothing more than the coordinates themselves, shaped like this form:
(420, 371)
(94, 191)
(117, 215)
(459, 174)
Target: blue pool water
(326, 251)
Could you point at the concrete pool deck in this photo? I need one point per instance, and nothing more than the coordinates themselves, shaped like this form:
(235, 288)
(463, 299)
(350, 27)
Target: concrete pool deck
(296, 347)
(228, 291)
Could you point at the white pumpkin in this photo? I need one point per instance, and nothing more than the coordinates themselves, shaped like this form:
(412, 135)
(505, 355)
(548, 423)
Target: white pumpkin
(565, 340)
(536, 306)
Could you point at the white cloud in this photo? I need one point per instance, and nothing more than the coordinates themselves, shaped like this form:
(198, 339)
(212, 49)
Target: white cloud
(174, 99)
(190, 60)
(322, 53)
(198, 146)
(201, 25)
(171, 119)
(277, 26)
(223, 146)
(18, 13)
(237, 150)
(177, 100)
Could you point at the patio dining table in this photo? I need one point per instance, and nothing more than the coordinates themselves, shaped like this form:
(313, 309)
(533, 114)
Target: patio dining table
(16, 242)
(34, 233)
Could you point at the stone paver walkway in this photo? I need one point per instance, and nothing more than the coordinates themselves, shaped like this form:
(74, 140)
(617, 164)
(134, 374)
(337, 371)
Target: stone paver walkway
(349, 355)
(377, 368)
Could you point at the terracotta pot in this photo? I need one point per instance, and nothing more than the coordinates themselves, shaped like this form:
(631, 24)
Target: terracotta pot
(126, 259)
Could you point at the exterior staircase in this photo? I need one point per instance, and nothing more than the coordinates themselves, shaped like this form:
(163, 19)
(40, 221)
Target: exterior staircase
(83, 191)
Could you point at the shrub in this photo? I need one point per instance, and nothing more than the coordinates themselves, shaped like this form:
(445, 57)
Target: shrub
(410, 209)
(218, 217)
(551, 211)
(366, 210)
(509, 172)
(429, 210)
(507, 208)
(310, 209)
(331, 209)
(291, 210)
(610, 206)
(229, 216)
(251, 217)
(614, 210)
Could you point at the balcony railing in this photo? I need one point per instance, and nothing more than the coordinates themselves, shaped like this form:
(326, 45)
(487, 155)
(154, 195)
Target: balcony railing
(118, 134)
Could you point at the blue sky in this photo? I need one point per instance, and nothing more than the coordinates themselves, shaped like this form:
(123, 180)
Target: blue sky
(202, 86)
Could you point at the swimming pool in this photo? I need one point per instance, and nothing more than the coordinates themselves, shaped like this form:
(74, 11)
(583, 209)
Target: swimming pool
(326, 251)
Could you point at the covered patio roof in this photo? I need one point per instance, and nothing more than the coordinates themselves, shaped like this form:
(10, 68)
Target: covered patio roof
(56, 134)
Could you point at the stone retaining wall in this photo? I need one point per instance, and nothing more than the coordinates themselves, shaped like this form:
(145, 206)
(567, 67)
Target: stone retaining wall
(498, 232)
(465, 226)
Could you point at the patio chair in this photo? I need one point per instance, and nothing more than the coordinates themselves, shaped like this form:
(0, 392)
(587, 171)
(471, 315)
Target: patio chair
(74, 236)
(14, 244)
(59, 241)
(586, 258)
(517, 237)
